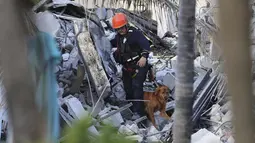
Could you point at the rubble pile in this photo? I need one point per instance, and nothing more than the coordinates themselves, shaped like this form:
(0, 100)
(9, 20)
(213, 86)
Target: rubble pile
(89, 80)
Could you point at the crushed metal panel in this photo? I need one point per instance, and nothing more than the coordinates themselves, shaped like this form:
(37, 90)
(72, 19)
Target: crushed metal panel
(91, 60)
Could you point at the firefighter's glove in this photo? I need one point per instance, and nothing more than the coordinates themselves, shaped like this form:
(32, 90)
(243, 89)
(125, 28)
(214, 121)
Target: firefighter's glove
(142, 62)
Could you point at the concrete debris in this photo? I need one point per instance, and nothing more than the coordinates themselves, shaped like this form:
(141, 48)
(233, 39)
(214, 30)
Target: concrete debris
(153, 138)
(125, 130)
(227, 116)
(166, 77)
(230, 140)
(65, 57)
(101, 13)
(174, 62)
(75, 107)
(129, 129)
(204, 136)
(60, 1)
(47, 18)
(203, 62)
(226, 107)
(137, 138)
(171, 42)
(216, 114)
(116, 119)
(91, 58)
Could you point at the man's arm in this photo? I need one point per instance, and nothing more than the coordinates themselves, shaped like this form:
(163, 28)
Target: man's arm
(144, 44)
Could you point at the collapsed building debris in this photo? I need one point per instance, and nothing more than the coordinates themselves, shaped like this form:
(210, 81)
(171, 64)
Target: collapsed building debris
(89, 80)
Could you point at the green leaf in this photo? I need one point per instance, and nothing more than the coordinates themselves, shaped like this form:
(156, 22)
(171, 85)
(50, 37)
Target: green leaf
(79, 134)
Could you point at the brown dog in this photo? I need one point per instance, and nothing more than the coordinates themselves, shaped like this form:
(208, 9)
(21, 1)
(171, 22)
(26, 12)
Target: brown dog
(157, 102)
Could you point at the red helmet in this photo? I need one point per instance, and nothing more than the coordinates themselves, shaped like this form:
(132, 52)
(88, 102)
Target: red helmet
(119, 20)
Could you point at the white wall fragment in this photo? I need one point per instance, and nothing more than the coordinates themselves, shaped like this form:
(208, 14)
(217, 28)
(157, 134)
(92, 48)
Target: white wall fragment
(216, 114)
(204, 136)
(65, 56)
(215, 51)
(135, 138)
(226, 107)
(231, 140)
(46, 22)
(101, 13)
(60, 91)
(152, 139)
(169, 81)
(116, 120)
(125, 130)
(174, 62)
(104, 111)
(75, 108)
(60, 1)
(161, 74)
(155, 138)
(227, 117)
(203, 62)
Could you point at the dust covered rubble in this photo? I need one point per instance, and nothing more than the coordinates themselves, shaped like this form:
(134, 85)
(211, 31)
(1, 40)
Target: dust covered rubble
(78, 97)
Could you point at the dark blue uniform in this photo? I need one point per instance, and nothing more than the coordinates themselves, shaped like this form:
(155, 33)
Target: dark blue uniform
(130, 48)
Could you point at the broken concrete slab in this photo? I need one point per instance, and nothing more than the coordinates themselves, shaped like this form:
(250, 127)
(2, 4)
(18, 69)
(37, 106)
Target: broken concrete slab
(101, 13)
(231, 140)
(60, 91)
(75, 107)
(228, 116)
(215, 50)
(61, 1)
(154, 138)
(123, 129)
(204, 136)
(65, 56)
(203, 62)
(174, 62)
(103, 47)
(169, 81)
(216, 114)
(226, 107)
(133, 127)
(135, 138)
(77, 111)
(118, 89)
(92, 62)
(113, 119)
(47, 18)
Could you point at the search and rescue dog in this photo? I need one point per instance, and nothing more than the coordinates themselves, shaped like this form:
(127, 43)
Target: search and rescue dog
(157, 102)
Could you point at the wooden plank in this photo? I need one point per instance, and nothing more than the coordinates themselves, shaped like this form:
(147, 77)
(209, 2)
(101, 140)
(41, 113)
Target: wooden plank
(92, 61)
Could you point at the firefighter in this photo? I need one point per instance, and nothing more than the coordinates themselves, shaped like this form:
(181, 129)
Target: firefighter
(132, 53)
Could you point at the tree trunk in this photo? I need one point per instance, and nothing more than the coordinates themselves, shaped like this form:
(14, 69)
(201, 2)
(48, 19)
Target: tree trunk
(28, 125)
(185, 72)
(234, 24)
